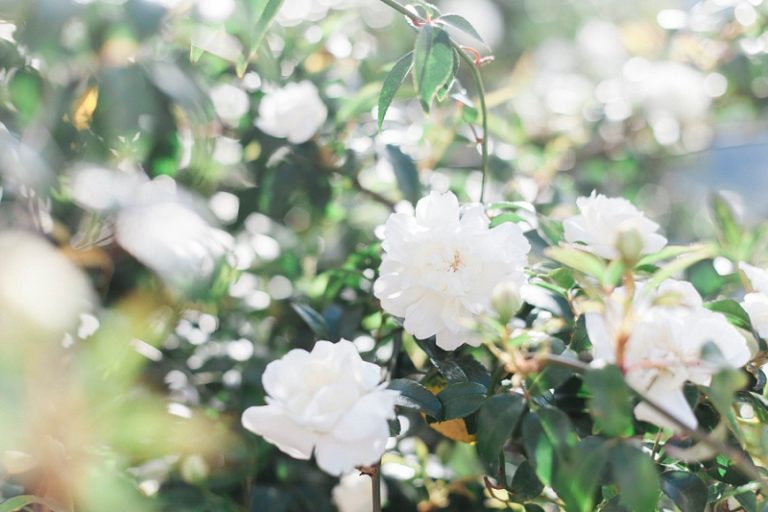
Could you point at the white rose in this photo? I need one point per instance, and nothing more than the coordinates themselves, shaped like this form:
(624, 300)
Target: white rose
(602, 220)
(328, 401)
(440, 267)
(42, 293)
(294, 112)
(664, 346)
(354, 493)
(756, 303)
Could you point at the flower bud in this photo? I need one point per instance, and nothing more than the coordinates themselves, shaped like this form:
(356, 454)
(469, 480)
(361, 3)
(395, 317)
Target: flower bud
(506, 300)
(630, 246)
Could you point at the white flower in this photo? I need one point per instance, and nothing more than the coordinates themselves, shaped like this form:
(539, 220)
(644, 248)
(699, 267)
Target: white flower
(328, 401)
(668, 329)
(42, 293)
(756, 303)
(158, 223)
(294, 112)
(440, 267)
(354, 493)
(230, 102)
(601, 221)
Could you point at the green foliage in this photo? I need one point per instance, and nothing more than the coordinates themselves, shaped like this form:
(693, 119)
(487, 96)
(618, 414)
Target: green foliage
(611, 401)
(433, 63)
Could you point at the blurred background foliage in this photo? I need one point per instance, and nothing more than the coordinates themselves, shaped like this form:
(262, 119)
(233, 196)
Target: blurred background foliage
(245, 246)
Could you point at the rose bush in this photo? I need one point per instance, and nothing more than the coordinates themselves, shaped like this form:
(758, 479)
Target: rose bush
(537, 276)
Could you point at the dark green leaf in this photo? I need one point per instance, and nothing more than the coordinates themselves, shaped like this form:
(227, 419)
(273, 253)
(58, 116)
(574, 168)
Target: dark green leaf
(497, 420)
(414, 395)
(313, 319)
(538, 447)
(636, 475)
(732, 311)
(578, 473)
(392, 84)
(460, 23)
(433, 63)
(443, 361)
(611, 402)
(525, 484)
(406, 173)
(686, 489)
(461, 399)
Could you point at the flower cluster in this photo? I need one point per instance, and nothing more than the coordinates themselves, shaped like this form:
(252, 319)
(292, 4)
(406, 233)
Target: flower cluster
(658, 343)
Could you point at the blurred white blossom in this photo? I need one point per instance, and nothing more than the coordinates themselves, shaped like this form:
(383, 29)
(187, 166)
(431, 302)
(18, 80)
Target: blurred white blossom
(602, 221)
(327, 401)
(42, 293)
(440, 267)
(294, 112)
(158, 223)
(230, 102)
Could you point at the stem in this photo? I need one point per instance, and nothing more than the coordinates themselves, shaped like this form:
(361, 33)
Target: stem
(739, 459)
(474, 68)
(376, 488)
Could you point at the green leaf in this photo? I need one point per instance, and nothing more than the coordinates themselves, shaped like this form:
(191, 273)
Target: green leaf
(460, 23)
(265, 11)
(392, 84)
(686, 489)
(682, 263)
(611, 402)
(731, 232)
(724, 385)
(406, 173)
(732, 311)
(19, 502)
(525, 484)
(313, 319)
(461, 399)
(433, 63)
(636, 475)
(414, 395)
(497, 420)
(671, 251)
(584, 262)
(578, 473)
(551, 230)
(538, 447)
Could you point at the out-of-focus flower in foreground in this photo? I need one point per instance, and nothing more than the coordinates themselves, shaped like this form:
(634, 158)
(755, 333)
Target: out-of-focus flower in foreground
(602, 221)
(441, 265)
(294, 112)
(328, 401)
(42, 293)
(663, 345)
